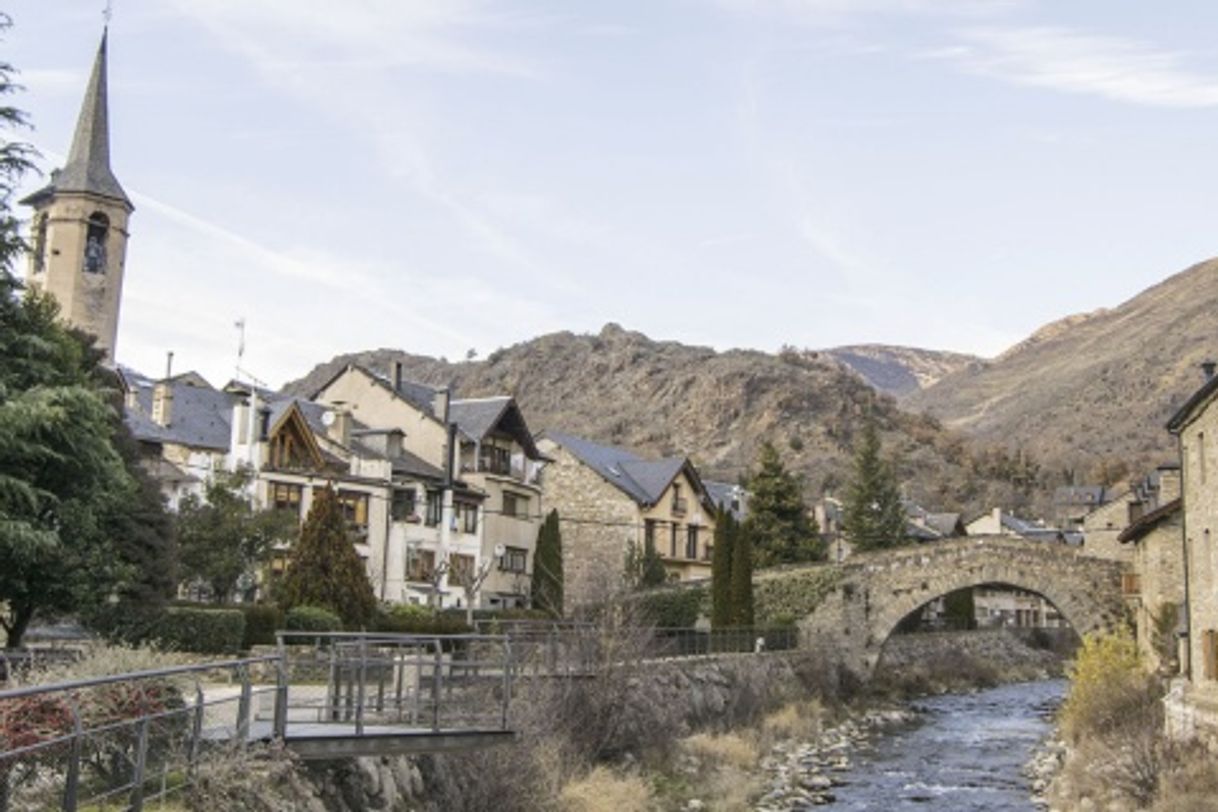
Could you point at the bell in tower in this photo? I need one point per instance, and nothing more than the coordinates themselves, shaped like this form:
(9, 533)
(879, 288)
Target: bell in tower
(79, 230)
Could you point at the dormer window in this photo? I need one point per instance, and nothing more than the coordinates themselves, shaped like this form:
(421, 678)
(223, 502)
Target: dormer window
(40, 243)
(95, 243)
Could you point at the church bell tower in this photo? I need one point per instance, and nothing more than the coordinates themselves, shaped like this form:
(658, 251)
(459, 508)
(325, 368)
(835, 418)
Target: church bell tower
(78, 236)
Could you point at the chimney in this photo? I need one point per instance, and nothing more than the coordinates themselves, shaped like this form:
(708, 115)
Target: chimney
(1169, 484)
(395, 375)
(162, 403)
(439, 404)
(169, 365)
(393, 443)
(340, 430)
(1208, 368)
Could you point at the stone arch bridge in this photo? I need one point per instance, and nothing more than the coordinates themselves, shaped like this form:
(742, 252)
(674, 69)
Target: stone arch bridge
(875, 591)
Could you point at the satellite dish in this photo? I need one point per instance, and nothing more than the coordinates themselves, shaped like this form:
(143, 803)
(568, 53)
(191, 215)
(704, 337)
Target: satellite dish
(500, 550)
(327, 419)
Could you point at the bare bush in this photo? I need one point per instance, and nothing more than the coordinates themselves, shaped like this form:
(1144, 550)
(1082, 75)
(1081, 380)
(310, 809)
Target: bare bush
(255, 778)
(604, 790)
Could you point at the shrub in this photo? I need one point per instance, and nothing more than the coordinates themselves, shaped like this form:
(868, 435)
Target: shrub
(312, 619)
(675, 608)
(261, 623)
(603, 790)
(1109, 688)
(202, 631)
(723, 748)
(409, 619)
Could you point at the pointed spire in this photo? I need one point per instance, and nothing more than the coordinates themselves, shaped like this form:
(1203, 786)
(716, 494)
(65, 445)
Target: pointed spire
(88, 166)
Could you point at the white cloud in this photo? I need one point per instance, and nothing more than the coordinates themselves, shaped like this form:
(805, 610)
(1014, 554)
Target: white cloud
(1060, 59)
(828, 12)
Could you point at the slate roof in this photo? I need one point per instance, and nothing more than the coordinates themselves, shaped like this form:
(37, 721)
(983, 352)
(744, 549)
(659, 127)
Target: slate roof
(1030, 530)
(201, 417)
(1150, 521)
(417, 394)
(722, 494)
(88, 165)
(477, 417)
(945, 524)
(1093, 495)
(641, 479)
(1197, 399)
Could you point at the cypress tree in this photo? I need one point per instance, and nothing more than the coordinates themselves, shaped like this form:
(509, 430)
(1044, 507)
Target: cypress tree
(651, 567)
(547, 589)
(325, 570)
(874, 517)
(742, 576)
(721, 570)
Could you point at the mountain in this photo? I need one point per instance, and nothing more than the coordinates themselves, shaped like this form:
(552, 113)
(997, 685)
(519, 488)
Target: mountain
(1091, 393)
(899, 371)
(662, 397)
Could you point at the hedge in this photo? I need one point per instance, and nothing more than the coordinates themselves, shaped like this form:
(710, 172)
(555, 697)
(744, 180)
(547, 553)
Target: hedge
(673, 608)
(312, 619)
(261, 623)
(407, 619)
(201, 631)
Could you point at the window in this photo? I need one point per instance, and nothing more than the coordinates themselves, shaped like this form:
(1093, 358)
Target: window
(1131, 583)
(420, 564)
(514, 559)
(672, 541)
(678, 501)
(40, 242)
(468, 514)
(355, 510)
(461, 568)
(286, 496)
(495, 460)
(515, 505)
(649, 534)
(435, 508)
(95, 243)
(404, 505)
(1209, 653)
(691, 542)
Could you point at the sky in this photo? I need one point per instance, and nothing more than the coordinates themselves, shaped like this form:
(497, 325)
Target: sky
(451, 176)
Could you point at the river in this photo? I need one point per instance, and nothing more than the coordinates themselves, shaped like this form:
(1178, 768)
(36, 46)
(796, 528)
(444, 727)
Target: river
(964, 752)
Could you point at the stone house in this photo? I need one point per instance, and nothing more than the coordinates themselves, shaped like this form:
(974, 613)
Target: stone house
(1156, 585)
(611, 500)
(1195, 426)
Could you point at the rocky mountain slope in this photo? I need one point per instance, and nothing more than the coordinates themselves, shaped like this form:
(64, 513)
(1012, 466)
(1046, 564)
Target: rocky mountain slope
(1091, 391)
(899, 371)
(718, 407)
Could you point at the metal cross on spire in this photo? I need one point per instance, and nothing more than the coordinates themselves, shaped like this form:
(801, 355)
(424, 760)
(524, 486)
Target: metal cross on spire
(107, 12)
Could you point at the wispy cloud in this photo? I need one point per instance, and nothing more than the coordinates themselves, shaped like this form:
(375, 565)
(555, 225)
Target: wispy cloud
(1061, 59)
(830, 12)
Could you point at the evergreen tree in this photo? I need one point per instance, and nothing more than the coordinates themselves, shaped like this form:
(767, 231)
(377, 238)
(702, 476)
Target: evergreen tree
(651, 567)
(325, 570)
(547, 592)
(873, 516)
(778, 523)
(721, 570)
(742, 577)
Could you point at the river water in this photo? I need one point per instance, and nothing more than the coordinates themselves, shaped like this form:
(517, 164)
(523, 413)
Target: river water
(964, 753)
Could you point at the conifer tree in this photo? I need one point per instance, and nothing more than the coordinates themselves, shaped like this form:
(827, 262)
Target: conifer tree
(721, 570)
(873, 516)
(780, 527)
(325, 570)
(742, 576)
(651, 567)
(547, 592)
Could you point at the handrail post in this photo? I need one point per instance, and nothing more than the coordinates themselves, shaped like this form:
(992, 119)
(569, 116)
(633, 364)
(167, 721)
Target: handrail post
(362, 687)
(141, 762)
(280, 725)
(508, 661)
(437, 677)
(196, 727)
(243, 705)
(72, 782)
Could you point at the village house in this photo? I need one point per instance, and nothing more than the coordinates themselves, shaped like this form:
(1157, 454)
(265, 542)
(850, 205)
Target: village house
(1156, 585)
(611, 501)
(1195, 426)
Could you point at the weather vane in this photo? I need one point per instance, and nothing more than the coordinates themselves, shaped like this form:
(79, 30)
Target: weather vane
(107, 12)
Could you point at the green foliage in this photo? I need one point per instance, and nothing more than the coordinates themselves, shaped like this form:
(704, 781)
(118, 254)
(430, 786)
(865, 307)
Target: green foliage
(312, 619)
(721, 570)
(262, 620)
(547, 587)
(325, 570)
(793, 594)
(741, 588)
(781, 529)
(873, 517)
(645, 569)
(676, 608)
(224, 536)
(202, 631)
(1163, 635)
(410, 619)
(1109, 688)
(960, 609)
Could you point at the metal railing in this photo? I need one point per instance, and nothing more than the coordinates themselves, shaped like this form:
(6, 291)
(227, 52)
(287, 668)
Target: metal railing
(122, 740)
(668, 642)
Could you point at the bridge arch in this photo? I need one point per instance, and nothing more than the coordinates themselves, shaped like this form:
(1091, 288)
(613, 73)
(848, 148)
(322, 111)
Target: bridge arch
(876, 591)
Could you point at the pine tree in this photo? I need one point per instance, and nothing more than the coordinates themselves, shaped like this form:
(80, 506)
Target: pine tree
(325, 570)
(721, 570)
(547, 567)
(742, 577)
(873, 516)
(780, 527)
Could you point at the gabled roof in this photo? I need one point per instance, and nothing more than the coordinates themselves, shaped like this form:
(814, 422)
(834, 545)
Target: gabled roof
(88, 165)
(478, 417)
(1198, 399)
(945, 524)
(1139, 529)
(641, 479)
(419, 395)
(723, 494)
(201, 417)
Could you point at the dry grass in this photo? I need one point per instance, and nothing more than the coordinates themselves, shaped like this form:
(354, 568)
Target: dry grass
(724, 748)
(604, 790)
(1191, 785)
(795, 720)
